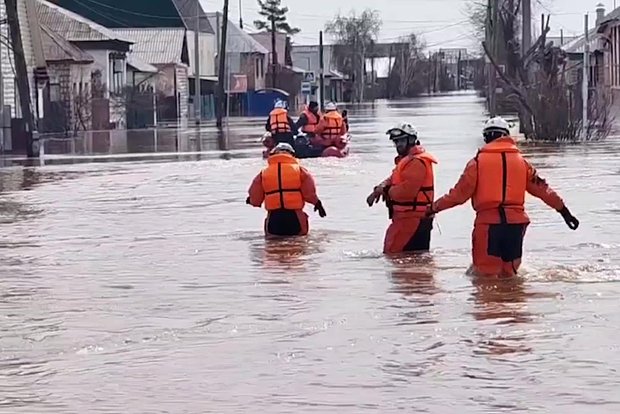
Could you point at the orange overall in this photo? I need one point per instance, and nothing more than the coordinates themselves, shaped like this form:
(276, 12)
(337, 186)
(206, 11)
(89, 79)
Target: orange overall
(496, 181)
(284, 187)
(411, 192)
(331, 128)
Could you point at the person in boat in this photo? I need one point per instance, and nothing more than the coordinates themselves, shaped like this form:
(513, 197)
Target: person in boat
(331, 129)
(309, 119)
(496, 180)
(345, 118)
(284, 187)
(281, 125)
(408, 192)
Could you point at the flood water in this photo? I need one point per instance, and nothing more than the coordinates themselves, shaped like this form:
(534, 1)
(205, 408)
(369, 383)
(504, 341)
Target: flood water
(146, 286)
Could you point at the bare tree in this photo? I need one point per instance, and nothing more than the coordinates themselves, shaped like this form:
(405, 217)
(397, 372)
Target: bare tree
(546, 103)
(356, 35)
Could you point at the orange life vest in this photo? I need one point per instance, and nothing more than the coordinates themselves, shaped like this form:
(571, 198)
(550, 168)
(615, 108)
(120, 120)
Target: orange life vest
(282, 183)
(502, 178)
(313, 122)
(333, 127)
(426, 195)
(278, 121)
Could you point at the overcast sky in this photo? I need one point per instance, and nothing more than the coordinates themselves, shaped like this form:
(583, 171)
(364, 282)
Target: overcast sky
(442, 23)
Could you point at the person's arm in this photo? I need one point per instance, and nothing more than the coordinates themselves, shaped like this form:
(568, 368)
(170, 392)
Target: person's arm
(256, 192)
(302, 121)
(308, 187)
(462, 191)
(539, 188)
(292, 125)
(268, 125)
(413, 176)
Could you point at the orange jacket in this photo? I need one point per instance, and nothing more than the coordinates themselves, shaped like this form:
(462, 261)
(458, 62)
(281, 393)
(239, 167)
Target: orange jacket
(266, 188)
(312, 121)
(412, 183)
(331, 127)
(496, 181)
(279, 121)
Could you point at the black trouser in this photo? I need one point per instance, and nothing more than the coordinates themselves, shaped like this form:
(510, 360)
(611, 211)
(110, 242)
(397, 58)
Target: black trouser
(421, 239)
(506, 241)
(283, 223)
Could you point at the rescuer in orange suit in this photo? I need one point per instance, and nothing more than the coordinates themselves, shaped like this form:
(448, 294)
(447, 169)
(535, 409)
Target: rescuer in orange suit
(408, 193)
(284, 187)
(281, 125)
(331, 128)
(496, 181)
(309, 119)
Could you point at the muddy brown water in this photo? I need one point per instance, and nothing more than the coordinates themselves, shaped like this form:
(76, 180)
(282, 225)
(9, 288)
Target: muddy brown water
(146, 286)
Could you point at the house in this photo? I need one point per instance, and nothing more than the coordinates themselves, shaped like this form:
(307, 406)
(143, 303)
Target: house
(246, 61)
(287, 77)
(195, 18)
(167, 50)
(307, 58)
(608, 29)
(109, 70)
(10, 109)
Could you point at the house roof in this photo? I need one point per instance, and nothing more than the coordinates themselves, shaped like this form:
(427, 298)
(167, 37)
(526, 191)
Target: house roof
(141, 66)
(57, 49)
(157, 45)
(187, 10)
(559, 41)
(127, 13)
(264, 38)
(577, 45)
(237, 40)
(72, 26)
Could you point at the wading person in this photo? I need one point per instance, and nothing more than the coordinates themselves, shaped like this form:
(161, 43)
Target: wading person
(408, 193)
(496, 181)
(284, 187)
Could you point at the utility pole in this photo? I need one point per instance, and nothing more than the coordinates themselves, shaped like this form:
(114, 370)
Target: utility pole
(321, 72)
(491, 41)
(198, 95)
(21, 71)
(274, 51)
(586, 73)
(222, 68)
(1, 101)
(240, 15)
(527, 26)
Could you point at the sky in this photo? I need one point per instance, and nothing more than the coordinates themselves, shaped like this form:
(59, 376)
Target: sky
(442, 23)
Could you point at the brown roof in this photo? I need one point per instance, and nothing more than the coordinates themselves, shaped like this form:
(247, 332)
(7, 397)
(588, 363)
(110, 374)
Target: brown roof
(57, 49)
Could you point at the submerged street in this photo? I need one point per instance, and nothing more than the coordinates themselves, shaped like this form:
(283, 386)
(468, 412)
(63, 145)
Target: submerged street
(145, 284)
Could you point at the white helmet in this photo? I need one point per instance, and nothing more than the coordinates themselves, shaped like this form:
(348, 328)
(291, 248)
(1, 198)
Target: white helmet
(401, 130)
(330, 106)
(283, 147)
(498, 124)
(280, 104)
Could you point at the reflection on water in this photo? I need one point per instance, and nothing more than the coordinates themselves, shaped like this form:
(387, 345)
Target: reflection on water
(142, 284)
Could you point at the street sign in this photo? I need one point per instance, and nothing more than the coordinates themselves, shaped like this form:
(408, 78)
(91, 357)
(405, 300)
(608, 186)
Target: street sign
(309, 77)
(306, 88)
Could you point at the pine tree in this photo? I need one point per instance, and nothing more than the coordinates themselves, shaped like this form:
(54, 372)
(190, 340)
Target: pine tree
(275, 15)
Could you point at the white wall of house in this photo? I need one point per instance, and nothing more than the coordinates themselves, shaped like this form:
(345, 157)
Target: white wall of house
(207, 53)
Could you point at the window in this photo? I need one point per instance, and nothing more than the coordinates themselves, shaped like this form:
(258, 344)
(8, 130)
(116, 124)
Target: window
(117, 74)
(614, 57)
(257, 63)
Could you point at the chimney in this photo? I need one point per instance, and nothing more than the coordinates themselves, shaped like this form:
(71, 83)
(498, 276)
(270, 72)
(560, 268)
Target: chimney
(600, 13)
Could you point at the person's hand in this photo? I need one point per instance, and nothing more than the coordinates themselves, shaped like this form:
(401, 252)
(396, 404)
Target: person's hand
(319, 207)
(571, 221)
(247, 201)
(378, 192)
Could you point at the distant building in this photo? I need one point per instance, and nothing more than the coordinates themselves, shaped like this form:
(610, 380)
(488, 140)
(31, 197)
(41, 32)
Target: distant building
(307, 58)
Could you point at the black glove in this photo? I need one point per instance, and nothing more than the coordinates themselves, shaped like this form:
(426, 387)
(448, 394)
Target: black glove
(319, 207)
(247, 201)
(570, 220)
